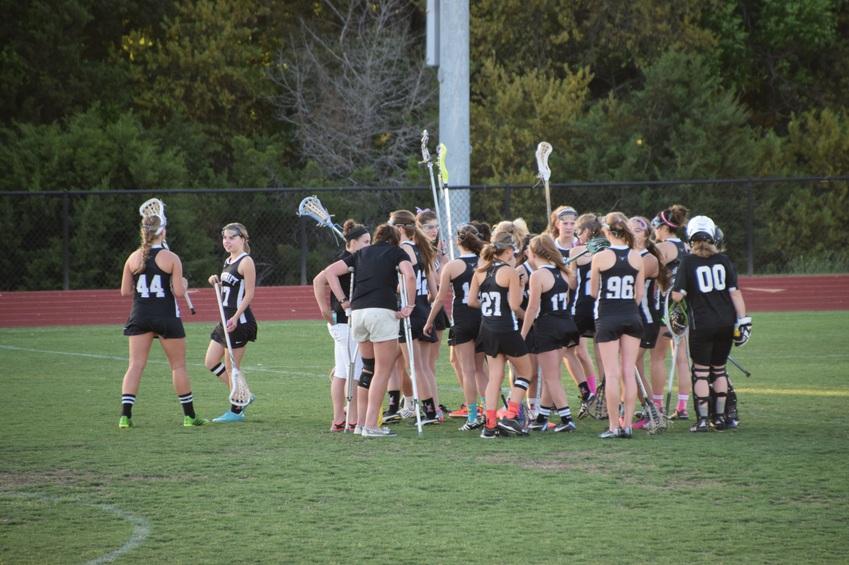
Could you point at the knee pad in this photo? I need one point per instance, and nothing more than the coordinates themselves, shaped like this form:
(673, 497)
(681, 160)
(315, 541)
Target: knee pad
(367, 374)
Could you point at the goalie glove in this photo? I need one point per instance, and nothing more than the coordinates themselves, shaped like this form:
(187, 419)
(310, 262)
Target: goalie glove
(742, 331)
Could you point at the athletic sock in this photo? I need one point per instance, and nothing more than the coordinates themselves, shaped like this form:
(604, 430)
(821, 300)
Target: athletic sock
(408, 402)
(187, 402)
(658, 400)
(236, 409)
(218, 370)
(127, 401)
(544, 413)
(585, 390)
(591, 383)
(394, 401)
(512, 409)
(473, 412)
(490, 419)
(565, 414)
(682, 402)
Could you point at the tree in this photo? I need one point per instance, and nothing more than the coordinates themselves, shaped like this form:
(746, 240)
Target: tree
(358, 94)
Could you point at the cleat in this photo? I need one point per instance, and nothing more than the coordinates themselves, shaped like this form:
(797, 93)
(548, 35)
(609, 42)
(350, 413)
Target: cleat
(444, 409)
(731, 424)
(610, 434)
(489, 433)
(680, 415)
(471, 425)
(568, 426)
(189, 422)
(391, 417)
(378, 432)
(626, 433)
(125, 422)
(719, 423)
(642, 423)
(700, 426)
(539, 426)
(511, 425)
(461, 412)
(340, 427)
(352, 428)
(229, 416)
(426, 421)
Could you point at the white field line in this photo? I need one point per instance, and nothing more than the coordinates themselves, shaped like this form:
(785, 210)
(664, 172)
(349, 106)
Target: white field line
(309, 370)
(141, 526)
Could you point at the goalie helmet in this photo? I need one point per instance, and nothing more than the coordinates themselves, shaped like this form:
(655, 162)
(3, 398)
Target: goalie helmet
(701, 228)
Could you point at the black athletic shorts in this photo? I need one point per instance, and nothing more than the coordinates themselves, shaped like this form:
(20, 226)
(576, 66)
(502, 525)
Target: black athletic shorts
(585, 323)
(531, 340)
(238, 338)
(650, 332)
(711, 346)
(441, 322)
(611, 328)
(417, 324)
(505, 343)
(166, 328)
(553, 333)
(463, 332)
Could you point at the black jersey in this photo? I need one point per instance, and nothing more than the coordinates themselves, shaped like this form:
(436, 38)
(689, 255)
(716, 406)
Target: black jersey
(555, 301)
(496, 313)
(708, 282)
(582, 300)
(564, 251)
(649, 303)
(376, 275)
(233, 289)
(526, 294)
(422, 303)
(339, 314)
(153, 297)
(616, 291)
(683, 250)
(461, 311)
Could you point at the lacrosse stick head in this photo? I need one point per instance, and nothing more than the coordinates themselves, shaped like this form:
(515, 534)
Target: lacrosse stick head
(154, 208)
(441, 154)
(240, 394)
(544, 149)
(597, 244)
(312, 207)
(425, 150)
(676, 318)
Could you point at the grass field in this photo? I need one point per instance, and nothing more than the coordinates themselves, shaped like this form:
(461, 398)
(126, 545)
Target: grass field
(282, 488)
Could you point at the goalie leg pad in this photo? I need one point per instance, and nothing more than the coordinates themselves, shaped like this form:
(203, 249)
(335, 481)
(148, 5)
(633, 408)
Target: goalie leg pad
(719, 377)
(367, 374)
(702, 403)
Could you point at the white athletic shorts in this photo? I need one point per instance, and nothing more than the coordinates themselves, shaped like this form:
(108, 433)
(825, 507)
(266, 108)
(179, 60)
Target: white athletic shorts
(339, 333)
(374, 324)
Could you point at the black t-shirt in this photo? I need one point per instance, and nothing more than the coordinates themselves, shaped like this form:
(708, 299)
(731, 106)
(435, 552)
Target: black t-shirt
(345, 281)
(376, 275)
(708, 282)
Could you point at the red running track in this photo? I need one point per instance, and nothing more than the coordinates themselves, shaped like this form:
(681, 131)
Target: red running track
(51, 308)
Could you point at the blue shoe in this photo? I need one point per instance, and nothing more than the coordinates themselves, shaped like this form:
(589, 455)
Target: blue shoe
(228, 417)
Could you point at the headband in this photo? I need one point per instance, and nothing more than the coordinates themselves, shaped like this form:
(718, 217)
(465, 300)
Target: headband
(567, 211)
(356, 233)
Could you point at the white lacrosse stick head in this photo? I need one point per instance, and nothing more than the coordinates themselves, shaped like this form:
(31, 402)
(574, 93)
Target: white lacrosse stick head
(312, 207)
(544, 149)
(154, 207)
(425, 150)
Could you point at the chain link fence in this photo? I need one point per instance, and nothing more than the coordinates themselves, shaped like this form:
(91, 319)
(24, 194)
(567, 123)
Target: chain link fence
(79, 240)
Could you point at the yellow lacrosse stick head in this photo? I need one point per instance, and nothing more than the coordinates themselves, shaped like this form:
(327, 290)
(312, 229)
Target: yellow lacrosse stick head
(441, 152)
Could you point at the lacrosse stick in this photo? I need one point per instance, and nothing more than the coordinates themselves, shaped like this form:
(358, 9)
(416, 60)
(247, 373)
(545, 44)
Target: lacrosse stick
(352, 357)
(240, 394)
(676, 321)
(408, 335)
(543, 151)
(656, 422)
(739, 366)
(312, 207)
(442, 177)
(428, 161)
(156, 207)
(594, 245)
(597, 406)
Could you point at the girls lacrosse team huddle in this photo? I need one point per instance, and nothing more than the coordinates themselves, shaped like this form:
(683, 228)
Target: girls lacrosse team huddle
(520, 304)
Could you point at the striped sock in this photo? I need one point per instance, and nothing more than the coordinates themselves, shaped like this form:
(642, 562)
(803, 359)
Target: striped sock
(127, 401)
(544, 413)
(658, 400)
(682, 402)
(565, 414)
(187, 402)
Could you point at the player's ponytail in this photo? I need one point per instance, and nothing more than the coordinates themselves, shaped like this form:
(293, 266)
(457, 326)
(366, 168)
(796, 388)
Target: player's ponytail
(617, 225)
(149, 232)
(467, 237)
(502, 239)
(405, 220)
(543, 246)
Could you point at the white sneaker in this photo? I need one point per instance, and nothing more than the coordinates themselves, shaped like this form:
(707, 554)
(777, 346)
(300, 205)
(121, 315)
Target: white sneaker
(378, 432)
(358, 430)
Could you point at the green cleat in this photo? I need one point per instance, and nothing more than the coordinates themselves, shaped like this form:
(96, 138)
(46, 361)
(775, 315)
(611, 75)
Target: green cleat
(125, 422)
(189, 422)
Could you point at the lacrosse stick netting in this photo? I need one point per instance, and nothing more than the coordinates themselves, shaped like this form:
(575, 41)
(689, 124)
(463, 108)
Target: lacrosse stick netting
(312, 207)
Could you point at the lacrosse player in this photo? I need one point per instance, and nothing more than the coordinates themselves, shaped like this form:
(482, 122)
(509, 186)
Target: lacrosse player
(717, 318)
(666, 225)
(356, 237)
(657, 280)
(497, 292)
(238, 283)
(582, 305)
(374, 317)
(153, 276)
(548, 312)
(457, 276)
(617, 281)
